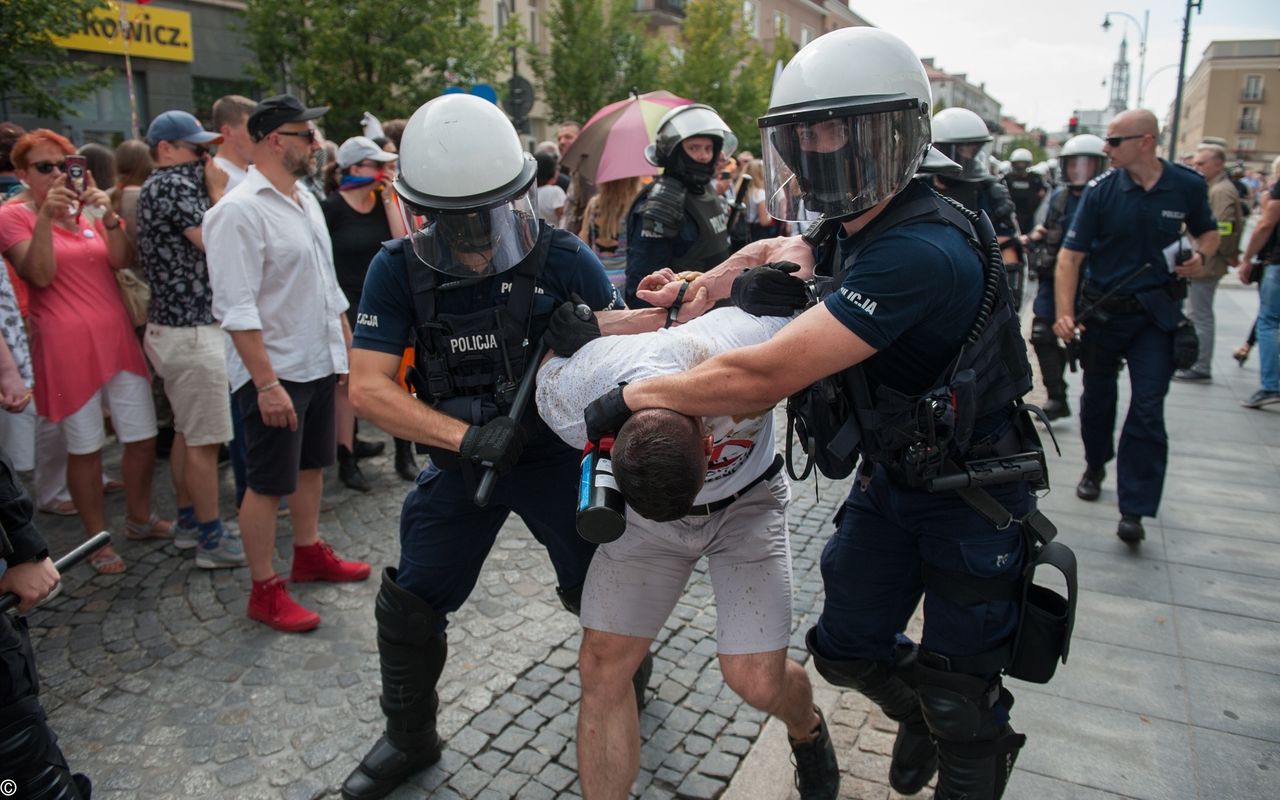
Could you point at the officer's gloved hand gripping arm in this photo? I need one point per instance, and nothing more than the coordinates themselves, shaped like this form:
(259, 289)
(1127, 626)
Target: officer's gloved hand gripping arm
(746, 379)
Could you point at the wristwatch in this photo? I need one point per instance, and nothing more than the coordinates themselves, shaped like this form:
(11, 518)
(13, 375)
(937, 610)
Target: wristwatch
(109, 226)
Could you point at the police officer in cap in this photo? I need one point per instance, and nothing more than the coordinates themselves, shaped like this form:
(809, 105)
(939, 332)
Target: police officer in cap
(1083, 160)
(962, 136)
(1126, 221)
(472, 287)
(1026, 188)
(892, 334)
(30, 758)
(679, 221)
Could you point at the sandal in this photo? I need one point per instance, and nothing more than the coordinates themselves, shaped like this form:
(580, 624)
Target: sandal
(111, 486)
(153, 528)
(64, 508)
(107, 563)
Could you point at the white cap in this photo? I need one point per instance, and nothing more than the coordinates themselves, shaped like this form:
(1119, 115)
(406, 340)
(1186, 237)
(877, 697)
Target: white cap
(361, 148)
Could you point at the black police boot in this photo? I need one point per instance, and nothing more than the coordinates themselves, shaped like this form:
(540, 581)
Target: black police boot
(363, 449)
(975, 752)
(817, 772)
(1130, 528)
(349, 471)
(572, 601)
(30, 753)
(1053, 365)
(1090, 485)
(412, 657)
(915, 758)
(406, 465)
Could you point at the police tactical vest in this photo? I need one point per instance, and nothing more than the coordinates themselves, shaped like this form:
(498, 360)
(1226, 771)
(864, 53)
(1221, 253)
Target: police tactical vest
(666, 203)
(913, 435)
(468, 365)
(1055, 223)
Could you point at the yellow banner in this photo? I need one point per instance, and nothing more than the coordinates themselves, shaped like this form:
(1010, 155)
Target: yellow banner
(148, 32)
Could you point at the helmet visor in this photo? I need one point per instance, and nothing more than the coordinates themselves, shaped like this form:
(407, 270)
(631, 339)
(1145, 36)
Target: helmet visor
(837, 166)
(1079, 170)
(974, 161)
(477, 242)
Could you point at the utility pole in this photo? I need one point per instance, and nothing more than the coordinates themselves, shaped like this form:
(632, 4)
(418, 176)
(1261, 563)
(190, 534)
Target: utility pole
(1182, 69)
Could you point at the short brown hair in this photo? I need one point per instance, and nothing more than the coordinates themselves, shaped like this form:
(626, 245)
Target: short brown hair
(38, 137)
(659, 463)
(393, 129)
(133, 162)
(231, 109)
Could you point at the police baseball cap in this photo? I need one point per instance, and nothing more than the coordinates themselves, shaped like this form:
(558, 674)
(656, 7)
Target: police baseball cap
(179, 126)
(361, 148)
(282, 109)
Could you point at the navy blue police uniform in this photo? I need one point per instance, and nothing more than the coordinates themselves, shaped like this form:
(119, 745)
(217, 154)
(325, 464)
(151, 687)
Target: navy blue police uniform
(444, 536)
(1120, 227)
(913, 291)
(1056, 224)
(1049, 350)
(700, 240)
(29, 752)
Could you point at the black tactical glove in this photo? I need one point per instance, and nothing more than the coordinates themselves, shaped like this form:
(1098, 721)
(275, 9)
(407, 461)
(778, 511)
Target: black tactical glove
(607, 413)
(572, 325)
(770, 290)
(498, 444)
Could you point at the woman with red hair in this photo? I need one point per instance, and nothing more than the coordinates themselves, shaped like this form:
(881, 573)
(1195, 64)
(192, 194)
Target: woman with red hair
(65, 244)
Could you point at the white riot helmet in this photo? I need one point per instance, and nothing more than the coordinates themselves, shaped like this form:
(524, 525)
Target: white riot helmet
(1021, 156)
(963, 137)
(685, 122)
(466, 187)
(1082, 159)
(847, 126)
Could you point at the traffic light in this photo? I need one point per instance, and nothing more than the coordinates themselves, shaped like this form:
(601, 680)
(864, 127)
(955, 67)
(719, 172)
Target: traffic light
(1073, 124)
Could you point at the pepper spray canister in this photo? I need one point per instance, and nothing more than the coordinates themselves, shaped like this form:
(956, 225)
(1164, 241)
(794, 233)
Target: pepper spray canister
(602, 512)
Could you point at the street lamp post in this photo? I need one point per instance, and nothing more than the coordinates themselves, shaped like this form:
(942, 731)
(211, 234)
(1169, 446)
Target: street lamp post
(1182, 69)
(1142, 42)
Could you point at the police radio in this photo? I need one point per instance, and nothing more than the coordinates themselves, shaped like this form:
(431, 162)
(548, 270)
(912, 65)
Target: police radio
(602, 512)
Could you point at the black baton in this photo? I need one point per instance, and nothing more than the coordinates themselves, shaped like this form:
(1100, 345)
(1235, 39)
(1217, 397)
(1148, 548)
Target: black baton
(87, 548)
(523, 393)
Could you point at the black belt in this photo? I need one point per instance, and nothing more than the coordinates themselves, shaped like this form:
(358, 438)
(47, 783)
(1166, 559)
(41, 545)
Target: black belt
(707, 509)
(1119, 304)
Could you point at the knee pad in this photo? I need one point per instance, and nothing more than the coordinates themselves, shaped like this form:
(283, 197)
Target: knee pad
(879, 682)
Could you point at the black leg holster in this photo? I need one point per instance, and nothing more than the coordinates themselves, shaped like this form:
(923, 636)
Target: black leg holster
(915, 758)
(976, 752)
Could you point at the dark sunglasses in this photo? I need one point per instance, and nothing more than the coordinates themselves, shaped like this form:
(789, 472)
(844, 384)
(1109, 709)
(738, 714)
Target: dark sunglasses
(310, 133)
(46, 167)
(1116, 141)
(200, 150)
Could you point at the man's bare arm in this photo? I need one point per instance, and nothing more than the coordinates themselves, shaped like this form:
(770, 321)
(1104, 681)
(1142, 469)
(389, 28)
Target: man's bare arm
(377, 397)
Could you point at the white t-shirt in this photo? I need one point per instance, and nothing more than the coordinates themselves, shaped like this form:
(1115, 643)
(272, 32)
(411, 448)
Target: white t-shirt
(742, 447)
(234, 173)
(550, 198)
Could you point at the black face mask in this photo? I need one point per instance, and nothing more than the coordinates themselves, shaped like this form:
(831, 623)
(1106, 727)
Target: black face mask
(824, 179)
(695, 175)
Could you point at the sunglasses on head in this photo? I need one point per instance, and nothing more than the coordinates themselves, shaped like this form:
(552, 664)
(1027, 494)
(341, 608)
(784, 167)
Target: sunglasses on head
(46, 167)
(1116, 141)
(310, 133)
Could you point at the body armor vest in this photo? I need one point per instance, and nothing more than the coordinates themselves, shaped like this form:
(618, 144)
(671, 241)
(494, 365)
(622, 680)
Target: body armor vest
(664, 209)
(1055, 227)
(468, 365)
(914, 435)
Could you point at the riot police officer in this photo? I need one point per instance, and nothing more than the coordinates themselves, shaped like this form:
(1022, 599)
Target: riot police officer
(1026, 188)
(472, 286)
(1082, 159)
(892, 334)
(679, 221)
(962, 136)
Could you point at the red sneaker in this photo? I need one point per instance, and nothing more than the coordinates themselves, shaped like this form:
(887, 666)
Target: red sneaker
(318, 562)
(270, 603)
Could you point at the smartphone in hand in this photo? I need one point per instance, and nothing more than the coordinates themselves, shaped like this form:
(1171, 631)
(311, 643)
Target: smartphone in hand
(77, 179)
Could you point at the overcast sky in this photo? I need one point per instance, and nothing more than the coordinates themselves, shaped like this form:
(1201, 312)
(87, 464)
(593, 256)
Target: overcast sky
(1040, 60)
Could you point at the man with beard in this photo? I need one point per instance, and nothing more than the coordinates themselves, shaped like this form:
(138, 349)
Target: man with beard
(678, 221)
(275, 292)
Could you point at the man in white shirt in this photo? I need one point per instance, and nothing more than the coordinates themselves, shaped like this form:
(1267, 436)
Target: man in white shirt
(276, 293)
(235, 154)
(694, 488)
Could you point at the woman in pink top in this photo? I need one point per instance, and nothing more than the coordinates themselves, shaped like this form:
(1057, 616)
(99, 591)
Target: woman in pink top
(82, 345)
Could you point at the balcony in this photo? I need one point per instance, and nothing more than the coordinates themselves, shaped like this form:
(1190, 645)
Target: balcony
(1248, 125)
(660, 13)
(1251, 95)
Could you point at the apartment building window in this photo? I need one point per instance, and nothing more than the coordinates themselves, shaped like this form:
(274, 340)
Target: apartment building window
(1249, 119)
(1252, 88)
(806, 35)
(751, 18)
(781, 22)
(501, 11)
(1246, 144)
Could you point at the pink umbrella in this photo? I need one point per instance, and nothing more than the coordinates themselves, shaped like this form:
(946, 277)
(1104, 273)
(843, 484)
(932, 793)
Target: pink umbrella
(611, 144)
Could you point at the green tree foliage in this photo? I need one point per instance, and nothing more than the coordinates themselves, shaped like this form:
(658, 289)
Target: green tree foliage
(372, 55)
(721, 65)
(1032, 143)
(36, 75)
(596, 56)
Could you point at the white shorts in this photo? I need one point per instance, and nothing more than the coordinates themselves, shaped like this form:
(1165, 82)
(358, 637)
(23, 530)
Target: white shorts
(192, 363)
(133, 415)
(634, 583)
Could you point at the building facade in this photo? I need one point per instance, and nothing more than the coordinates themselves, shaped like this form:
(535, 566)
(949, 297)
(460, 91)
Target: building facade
(183, 53)
(955, 91)
(1234, 95)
